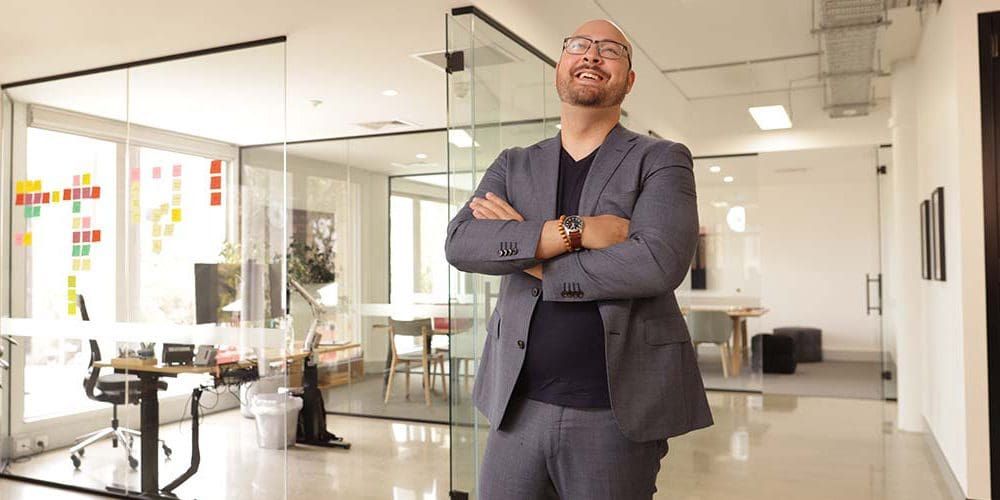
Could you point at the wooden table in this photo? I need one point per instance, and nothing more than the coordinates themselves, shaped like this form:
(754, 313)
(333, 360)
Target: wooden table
(740, 349)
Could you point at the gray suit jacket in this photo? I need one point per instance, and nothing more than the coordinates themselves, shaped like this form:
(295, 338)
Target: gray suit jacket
(654, 381)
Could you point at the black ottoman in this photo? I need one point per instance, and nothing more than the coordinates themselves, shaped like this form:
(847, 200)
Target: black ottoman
(773, 354)
(808, 342)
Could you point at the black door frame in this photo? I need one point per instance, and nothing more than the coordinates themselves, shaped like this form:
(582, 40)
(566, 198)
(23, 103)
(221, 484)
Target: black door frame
(989, 86)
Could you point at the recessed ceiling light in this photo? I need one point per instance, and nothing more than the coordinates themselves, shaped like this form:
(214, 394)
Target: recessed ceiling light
(728, 179)
(390, 93)
(771, 117)
(421, 156)
(461, 139)
(715, 169)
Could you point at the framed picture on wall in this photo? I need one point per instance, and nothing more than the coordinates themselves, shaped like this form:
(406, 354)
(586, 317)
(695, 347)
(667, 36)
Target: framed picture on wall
(925, 239)
(937, 234)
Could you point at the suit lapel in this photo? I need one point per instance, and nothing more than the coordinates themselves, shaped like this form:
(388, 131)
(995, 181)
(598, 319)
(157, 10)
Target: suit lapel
(618, 143)
(544, 158)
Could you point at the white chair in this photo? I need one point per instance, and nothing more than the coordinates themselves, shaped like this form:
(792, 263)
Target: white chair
(711, 327)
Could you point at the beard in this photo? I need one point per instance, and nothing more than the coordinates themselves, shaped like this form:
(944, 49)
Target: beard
(573, 93)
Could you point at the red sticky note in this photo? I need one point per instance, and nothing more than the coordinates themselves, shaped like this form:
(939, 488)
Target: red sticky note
(95, 192)
(76, 236)
(95, 236)
(45, 197)
(216, 182)
(177, 170)
(76, 180)
(67, 194)
(76, 193)
(216, 199)
(156, 172)
(134, 174)
(216, 167)
(86, 192)
(19, 200)
(86, 236)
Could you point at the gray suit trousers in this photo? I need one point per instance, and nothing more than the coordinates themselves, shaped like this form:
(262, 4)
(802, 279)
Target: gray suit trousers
(544, 451)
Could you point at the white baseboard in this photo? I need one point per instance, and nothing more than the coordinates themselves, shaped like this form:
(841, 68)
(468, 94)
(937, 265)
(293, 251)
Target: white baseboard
(852, 355)
(954, 487)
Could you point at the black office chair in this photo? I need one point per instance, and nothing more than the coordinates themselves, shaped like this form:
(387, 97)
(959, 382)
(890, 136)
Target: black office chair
(117, 389)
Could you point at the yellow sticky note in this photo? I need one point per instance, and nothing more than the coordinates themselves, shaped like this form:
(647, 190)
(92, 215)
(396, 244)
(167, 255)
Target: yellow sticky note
(86, 179)
(86, 264)
(20, 187)
(76, 264)
(177, 184)
(135, 217)
(71, 281)
(177, 200)
(37, 186)
(156, 231)
(175, 215)
(71, 309)
(27, 239)
(56, 196)
(168, 230)
(76, 223)
(71, 294)
(157, 246)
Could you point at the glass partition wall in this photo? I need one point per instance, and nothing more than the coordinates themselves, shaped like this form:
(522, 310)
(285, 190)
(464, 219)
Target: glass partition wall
(144, 278)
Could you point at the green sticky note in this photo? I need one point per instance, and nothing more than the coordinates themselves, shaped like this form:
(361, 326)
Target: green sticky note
(28, 211)
(76, 207)
(86, 250)
(38, 210)
(76, 250)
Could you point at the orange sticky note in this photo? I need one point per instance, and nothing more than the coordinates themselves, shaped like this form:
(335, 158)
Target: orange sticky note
(216, 199)
(216, 182)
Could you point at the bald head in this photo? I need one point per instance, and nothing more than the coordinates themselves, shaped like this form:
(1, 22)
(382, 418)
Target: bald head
(603, 29)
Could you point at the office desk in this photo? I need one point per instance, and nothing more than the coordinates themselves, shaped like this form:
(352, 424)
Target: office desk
(149, 403)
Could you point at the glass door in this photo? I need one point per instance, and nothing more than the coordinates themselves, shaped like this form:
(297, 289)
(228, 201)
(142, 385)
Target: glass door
(500, 94)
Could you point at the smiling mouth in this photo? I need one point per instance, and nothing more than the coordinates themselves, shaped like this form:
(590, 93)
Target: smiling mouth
(588, 76)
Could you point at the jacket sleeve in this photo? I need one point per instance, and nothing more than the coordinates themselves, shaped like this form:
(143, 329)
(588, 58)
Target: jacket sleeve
(654, 259)
(492, 246)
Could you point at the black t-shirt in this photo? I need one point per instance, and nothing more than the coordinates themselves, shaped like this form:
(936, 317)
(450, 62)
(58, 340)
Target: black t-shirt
(564, 363)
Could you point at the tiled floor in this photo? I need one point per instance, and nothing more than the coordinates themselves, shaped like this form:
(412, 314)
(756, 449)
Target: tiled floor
(762, 447)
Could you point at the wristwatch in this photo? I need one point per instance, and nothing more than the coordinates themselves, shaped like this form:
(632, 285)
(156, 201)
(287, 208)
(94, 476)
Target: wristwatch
(571, 229)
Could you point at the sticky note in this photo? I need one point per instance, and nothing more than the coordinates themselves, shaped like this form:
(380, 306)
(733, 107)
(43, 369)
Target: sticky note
(216, 182)
(76, 250)
(76, 236)
(134, 175)
(177, 170)
(157, 246)
(76, 207)
(168, 230)
(71, 281)
(216, 199)
(37, 186)
(95, 236)
(177, 184)
(76, 193)
(176, 201)
(19, 199)
(85, 250)
(76, 223)
(28, 211)
(85, 193)
(19, 239)
(216, 167)
(45, 197)
(95, 192)
(27, 239)
(76, 180)
(67, 194)
(86, 265)
(72, 308)
(20, 187)
(76, 264)
(157, 231)
(86, 222)
(156, 172)
(175, 215)
(86, 179)
(86, 236)
(56, 196)
(37, 210)
(71, 294)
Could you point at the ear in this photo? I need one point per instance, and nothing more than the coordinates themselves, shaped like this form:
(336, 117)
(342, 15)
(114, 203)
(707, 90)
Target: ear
(631, 81)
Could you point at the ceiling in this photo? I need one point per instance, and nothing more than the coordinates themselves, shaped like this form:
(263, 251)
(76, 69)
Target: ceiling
(334, 57)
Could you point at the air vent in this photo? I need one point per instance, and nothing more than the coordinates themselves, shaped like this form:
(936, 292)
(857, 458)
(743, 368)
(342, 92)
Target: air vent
(489, 55)
(389, 124)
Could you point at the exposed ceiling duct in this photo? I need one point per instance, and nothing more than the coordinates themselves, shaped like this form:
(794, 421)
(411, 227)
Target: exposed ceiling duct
(848, 36)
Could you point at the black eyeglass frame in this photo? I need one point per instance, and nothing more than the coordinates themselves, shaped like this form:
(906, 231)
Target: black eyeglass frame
(628, 53)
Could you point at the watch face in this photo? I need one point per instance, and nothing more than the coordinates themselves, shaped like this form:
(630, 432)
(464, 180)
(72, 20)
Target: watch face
(573, 223)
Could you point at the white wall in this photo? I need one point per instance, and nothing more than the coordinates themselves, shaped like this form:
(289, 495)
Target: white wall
(940, 145)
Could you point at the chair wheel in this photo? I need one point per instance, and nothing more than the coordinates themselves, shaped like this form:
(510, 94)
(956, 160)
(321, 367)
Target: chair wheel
(132, 462)
(166, 450)
(81, 452)
(76, 461)
(114, 442)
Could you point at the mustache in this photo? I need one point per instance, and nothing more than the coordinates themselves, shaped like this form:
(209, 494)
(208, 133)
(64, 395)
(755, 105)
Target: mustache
(592, 69)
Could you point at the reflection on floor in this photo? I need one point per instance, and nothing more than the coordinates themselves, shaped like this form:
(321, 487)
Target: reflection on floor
(761, 447)
(365, 397)
(835, 379)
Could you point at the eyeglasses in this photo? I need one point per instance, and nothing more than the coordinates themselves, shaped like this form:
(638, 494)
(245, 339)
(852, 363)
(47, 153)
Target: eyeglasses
(608, 49)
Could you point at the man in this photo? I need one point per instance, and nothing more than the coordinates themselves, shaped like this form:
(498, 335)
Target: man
(588, 367)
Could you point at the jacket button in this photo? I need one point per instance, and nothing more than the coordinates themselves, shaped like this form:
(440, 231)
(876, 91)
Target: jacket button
(534, 291)
(564, 293)
(520, 344)
(500, 252)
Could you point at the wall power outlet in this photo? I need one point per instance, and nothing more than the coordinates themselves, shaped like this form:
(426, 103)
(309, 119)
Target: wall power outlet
(41, 442)
(22, 446)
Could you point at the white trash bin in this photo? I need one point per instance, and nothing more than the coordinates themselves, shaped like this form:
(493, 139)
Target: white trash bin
(277, 417)
(264, 385)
